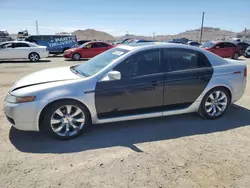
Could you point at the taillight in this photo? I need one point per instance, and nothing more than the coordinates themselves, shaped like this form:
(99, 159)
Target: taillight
(245, 72)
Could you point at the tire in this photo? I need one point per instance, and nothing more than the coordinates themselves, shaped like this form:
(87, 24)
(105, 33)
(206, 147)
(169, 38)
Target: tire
(236, 55)
(210, 109)
(34, 57)
(66, 119)
(76, 56)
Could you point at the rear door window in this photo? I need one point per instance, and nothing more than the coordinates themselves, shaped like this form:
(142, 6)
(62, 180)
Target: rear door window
(21, 45)
(229, 45)
(183, 59)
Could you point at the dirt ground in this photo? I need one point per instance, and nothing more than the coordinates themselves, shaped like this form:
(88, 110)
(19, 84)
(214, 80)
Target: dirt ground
(182, 151)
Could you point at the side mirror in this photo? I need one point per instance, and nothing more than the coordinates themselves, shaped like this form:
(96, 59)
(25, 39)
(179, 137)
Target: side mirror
(114, 75)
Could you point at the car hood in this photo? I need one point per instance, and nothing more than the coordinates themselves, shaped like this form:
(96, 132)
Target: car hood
(46, 76)
(72, 49)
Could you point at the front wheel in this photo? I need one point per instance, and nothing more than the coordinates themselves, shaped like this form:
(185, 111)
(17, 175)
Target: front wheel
(66, 119)
(76, 56)
(34, 57)
(215, 103)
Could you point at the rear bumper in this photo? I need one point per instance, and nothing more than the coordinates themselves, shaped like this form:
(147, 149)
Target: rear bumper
(44, 54)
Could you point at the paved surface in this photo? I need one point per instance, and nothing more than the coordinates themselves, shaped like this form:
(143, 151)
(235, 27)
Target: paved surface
(176, 151)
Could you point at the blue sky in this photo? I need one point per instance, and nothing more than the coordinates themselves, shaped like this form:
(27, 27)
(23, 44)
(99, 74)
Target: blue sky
(141, 17)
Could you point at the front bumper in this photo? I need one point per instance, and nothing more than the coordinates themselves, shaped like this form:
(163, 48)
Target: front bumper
(67, 55)
(22, 116)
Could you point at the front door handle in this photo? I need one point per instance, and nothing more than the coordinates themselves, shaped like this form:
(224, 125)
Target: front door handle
(155, 82)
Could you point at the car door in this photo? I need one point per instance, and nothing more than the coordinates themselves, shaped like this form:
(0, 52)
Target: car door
(99, 47)
(187, 74)
(6, 50)
(139, 91)
(220, 50)
(230, 49)
(21, 50)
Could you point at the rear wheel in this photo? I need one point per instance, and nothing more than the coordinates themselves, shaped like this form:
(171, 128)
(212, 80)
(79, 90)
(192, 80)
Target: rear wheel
(235, 56)
(34, 57)
(66, 119)
(215, 103)
(76, 56)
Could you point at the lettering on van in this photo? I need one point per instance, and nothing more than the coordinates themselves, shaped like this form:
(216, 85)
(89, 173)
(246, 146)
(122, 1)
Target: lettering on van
(61, 41)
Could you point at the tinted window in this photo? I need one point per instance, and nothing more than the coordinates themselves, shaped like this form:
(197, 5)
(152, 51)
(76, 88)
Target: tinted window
(21, 45)
(229, 45)
(142, 63)
(99, 45)
(181, 59)
(220, 45)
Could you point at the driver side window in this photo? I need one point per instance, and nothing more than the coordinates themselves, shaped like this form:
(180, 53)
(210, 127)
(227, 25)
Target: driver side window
(140, 64)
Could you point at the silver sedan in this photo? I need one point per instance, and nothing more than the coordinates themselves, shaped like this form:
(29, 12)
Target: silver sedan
(126, 83)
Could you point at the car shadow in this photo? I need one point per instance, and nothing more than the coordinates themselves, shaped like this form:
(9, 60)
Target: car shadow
(83, 59)
(26, 61)
(129, 133)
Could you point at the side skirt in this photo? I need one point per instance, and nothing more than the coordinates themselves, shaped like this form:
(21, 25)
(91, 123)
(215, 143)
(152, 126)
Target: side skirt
(193, 108)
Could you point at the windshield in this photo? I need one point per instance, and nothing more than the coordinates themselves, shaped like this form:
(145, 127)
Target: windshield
(99, 62)
(208, 45)
(33, 45)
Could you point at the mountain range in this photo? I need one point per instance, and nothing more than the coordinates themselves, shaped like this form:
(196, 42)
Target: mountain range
(209, 33)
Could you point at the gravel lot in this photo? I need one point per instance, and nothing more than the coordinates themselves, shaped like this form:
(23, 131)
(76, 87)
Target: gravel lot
(175, 151)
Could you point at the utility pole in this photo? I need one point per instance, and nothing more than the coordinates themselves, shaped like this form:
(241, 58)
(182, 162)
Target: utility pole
(37, 29)
(153, 36)
(202, 21)
(245, 32)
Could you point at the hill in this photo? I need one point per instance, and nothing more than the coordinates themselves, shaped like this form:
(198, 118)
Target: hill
(209, 33)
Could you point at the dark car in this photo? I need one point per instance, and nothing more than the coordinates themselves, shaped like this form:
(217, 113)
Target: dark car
(243, 46)
(193, 43)
(81, 42)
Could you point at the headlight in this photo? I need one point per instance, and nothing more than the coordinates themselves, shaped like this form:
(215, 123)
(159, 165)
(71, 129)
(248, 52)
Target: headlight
(14, 99)
(67, 52)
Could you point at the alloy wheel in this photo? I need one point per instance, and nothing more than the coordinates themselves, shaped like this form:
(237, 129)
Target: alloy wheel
(67, 120)
(34, 57)
(216, 103)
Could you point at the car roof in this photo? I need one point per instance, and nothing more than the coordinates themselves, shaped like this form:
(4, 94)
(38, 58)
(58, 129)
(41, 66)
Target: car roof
(25, 42)
(151, 45)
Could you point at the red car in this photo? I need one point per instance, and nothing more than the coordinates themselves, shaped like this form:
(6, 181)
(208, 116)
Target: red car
(223, 49)
(87, 50)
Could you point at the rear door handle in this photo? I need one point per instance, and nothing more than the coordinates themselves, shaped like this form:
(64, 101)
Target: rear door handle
(201, 77)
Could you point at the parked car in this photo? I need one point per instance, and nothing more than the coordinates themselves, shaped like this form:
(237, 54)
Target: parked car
(56, 44)
(22, 50)
(193, 43)
(81, 42)
(223, 49)
(126, 83)
(247, 52)
(243, 46)
(87, 50)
